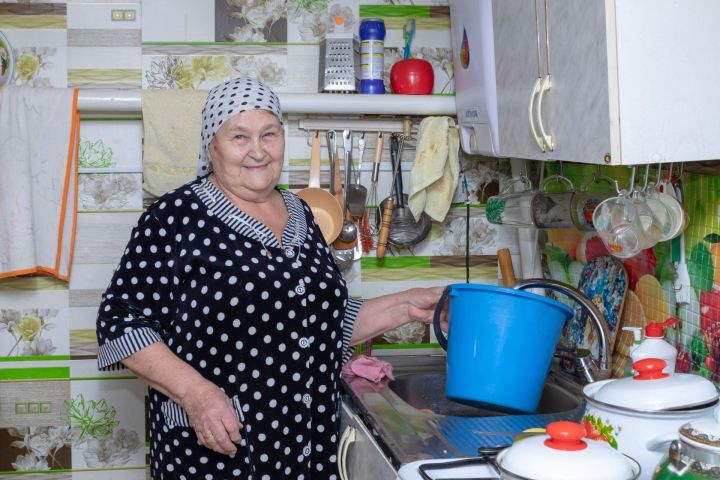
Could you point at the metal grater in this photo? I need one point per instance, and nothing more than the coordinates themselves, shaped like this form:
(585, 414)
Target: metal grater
(339, 64)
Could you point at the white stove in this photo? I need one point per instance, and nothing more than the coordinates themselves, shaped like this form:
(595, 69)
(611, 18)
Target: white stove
(411, 471)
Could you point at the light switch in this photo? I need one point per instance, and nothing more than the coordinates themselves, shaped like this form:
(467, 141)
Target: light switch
(130, 15)
(118, 15)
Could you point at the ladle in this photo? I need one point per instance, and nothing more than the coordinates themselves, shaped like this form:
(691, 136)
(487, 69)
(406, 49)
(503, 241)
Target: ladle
(349, 231)
(355, 192)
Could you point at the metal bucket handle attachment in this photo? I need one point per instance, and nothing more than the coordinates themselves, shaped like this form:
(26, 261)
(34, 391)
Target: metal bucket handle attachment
(439, 334)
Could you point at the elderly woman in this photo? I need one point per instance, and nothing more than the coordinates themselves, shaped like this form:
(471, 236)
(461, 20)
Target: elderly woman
(229, 305)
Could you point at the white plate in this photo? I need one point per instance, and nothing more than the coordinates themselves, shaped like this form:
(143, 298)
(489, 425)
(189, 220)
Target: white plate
(7, 60)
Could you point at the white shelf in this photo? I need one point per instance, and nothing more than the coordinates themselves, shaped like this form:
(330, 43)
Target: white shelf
(99, 101)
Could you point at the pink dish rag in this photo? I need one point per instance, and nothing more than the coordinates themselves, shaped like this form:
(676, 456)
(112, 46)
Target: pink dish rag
(370, 368)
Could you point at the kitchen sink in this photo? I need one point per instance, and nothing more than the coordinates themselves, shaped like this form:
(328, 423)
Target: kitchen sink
(412, 419)
(426, 392)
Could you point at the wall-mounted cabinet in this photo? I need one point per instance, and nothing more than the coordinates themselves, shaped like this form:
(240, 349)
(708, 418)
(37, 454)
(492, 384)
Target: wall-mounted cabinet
(593, 81)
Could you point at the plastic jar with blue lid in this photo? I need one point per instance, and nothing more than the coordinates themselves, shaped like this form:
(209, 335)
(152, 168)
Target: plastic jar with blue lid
(372, 55)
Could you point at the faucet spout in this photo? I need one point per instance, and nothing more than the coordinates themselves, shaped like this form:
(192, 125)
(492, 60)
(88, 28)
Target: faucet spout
(597, 317)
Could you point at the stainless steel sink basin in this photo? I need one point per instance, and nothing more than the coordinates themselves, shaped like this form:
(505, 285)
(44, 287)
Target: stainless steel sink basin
(412, 419)
(426, 391)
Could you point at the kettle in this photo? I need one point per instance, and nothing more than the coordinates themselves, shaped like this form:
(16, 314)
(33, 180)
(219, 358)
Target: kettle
(695, 455)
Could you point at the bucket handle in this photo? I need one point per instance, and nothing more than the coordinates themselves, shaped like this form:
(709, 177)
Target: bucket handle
(439, 334)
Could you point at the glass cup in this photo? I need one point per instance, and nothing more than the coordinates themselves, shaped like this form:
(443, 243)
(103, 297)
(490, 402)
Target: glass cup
(512, 208)
(650, 217)
(619, 225)
(676, 212)
(553, 209)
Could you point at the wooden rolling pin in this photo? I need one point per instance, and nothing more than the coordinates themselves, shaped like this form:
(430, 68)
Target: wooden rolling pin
(506, 268)
(385, 227)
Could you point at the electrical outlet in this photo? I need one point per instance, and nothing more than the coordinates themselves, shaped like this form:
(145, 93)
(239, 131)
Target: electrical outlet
(123, 15)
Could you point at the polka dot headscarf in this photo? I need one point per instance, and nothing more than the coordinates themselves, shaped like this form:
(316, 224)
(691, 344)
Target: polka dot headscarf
(227, 99)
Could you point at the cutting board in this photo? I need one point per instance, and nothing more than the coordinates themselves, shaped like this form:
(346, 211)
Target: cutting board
(604, 281)
(633, 315)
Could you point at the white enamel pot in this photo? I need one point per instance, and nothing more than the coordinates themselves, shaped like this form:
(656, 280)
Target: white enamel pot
(564, 454)
(641, 415)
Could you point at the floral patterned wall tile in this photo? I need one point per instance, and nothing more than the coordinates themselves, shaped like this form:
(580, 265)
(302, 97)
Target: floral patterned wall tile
(243, 21)
(110, 192)
(201, 67)
(35, 448)
(34, 333)
(34, 434)
(40, 57)
(310, 20)
(33, 324)
(110, 146)
(107, 430)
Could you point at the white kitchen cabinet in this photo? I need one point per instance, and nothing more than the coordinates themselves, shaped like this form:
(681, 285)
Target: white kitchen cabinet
(359, 456)
(631, 81)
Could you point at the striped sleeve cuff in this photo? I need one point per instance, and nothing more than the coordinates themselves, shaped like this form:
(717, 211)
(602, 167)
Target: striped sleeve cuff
(351, 311)
(111, 353)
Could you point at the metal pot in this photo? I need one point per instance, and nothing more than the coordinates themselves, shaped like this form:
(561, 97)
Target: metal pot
(641, 415)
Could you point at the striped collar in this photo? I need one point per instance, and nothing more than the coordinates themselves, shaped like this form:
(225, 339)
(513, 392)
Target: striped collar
(221, 207)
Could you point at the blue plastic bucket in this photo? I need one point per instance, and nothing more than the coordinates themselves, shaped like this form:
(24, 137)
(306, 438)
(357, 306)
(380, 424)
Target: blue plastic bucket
(500, 345)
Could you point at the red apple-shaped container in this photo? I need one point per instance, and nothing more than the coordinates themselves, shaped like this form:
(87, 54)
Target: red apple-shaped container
(412, 76)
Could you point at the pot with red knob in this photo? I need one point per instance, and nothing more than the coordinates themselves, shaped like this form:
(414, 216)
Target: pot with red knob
(641, 415)
(565, 453)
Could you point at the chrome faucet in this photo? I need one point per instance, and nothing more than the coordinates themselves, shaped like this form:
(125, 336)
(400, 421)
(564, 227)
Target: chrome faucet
(587, 369)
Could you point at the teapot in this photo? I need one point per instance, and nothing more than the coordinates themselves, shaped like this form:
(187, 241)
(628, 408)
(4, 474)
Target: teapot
(695, 455)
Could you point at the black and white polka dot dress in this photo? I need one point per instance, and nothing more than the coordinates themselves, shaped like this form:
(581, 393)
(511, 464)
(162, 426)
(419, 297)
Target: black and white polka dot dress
(270, 324)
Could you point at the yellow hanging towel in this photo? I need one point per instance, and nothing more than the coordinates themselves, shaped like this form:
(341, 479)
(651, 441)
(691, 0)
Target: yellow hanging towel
(434, 175)
(171, 124)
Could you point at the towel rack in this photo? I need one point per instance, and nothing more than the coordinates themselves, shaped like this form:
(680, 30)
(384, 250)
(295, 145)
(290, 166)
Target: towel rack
(97, 101)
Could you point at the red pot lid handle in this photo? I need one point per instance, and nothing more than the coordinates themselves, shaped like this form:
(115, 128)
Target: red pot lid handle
(650, 369)
(566, 436)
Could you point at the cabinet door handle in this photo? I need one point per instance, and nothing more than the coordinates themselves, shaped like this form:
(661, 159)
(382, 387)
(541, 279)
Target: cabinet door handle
(531, 118)
(547, 139)
(348, 437)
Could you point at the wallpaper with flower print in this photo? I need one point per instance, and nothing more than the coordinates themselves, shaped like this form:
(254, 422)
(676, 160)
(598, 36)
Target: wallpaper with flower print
(33, 332)
(35, 448)
(205, 71)
(251, 21)
(103, 436)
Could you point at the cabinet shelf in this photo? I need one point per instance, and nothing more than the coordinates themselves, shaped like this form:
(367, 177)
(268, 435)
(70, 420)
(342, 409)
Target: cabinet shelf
(104, 101)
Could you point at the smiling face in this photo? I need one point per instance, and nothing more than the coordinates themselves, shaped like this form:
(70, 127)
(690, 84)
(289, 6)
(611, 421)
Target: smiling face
(247, 153)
